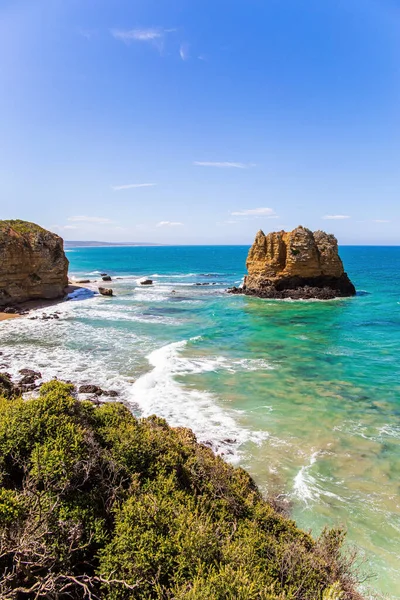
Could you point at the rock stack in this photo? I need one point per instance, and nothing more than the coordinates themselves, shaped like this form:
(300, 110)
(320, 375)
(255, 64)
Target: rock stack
(298, 264)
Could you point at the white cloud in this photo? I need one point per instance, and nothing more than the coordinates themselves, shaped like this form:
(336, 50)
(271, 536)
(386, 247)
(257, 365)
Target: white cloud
(62, 227)
(169, 224)
(380, 221)
(256, 212)
(336, 217)
(138, 35)
(130, 186)
(184, 51)
(223, 165)
(84, 219)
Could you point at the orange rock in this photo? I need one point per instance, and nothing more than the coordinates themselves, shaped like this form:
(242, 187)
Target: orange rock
(32, 263)
(296, 264)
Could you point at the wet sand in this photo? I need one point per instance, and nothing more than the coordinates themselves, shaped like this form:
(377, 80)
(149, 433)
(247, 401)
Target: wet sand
(38, 303)
(6, 316)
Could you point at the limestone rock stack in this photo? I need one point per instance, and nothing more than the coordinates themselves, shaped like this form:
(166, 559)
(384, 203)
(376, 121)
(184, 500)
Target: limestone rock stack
(32, 263)
(296, 264)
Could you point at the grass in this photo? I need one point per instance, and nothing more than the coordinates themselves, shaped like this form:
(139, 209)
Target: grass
(22, 227)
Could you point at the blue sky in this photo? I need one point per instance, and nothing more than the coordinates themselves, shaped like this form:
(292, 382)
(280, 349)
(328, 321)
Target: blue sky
(182, 121)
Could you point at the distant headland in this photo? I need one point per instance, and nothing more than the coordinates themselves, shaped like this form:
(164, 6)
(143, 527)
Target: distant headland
(94, 244)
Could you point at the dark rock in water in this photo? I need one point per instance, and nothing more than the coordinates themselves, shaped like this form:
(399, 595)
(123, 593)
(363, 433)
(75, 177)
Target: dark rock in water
(298, 264)
(90, 389)
(82, 281)
(10, 310)
(103, 274)
(106, 291)
(46, 317)
(28, 380)
(208, 443)
(111, 393)
(106, 278)
(146, 282)
(30, 373)
(229, 441)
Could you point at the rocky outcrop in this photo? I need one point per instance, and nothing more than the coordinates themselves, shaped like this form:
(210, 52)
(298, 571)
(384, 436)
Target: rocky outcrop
(295, 264)
(33, 264)
(106, 291)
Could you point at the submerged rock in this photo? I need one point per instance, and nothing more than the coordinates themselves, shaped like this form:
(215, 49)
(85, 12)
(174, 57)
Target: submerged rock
(298, 264)
(90, 389)
(106, 278)
(32, 263)
(146, 282)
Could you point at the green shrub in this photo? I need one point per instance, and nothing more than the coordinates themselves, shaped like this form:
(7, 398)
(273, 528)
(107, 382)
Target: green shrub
(96, 503)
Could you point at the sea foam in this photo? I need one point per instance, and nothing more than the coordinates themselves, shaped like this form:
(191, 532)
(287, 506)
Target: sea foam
(158, 392)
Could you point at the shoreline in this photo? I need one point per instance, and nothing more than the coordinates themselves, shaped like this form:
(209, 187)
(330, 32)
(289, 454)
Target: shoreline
(27, 306)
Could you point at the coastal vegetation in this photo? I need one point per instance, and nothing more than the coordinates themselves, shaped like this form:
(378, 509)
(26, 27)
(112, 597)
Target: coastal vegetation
(95, 503)
(20, 226)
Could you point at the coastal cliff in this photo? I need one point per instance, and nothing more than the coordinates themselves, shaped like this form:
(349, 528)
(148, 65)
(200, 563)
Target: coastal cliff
(32, 263)
(296, 264)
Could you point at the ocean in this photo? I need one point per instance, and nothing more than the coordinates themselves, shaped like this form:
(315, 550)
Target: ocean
(305, 395)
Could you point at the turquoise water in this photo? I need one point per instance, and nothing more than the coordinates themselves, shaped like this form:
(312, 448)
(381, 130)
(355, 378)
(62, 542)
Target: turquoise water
(305, 395)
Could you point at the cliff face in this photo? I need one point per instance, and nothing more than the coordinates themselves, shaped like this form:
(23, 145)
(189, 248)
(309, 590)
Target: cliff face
(296, 264)
(32, 263)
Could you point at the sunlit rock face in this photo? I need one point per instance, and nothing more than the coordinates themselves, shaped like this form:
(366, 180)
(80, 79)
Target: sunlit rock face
(32, 263)
(296, 264)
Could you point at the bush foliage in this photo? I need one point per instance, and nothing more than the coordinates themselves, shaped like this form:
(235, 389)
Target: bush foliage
(95, 503)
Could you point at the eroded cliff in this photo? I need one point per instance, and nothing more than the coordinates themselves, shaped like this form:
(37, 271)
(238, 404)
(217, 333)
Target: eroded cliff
(32, 263)
(296, 264)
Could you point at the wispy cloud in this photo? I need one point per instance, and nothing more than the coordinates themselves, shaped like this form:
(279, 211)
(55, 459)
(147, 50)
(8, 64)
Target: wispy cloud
(184, 51)
(223, 165)
(84, 219)
(62, 227)
(256, 212)
(137, 35)
(336, 217)
(169, 224)
(131, 186)
(381, 221)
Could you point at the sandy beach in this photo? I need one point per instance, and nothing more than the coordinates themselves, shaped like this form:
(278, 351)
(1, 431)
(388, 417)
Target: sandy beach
(38, 303)
(6, 316)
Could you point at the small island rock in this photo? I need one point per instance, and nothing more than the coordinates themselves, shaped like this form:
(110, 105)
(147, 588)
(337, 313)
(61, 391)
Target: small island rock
(298, 264)
(106, 291)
